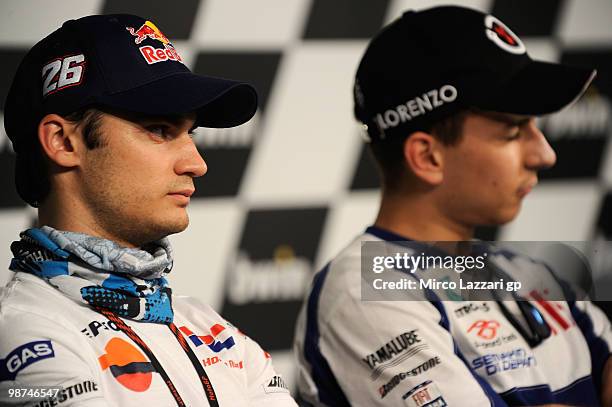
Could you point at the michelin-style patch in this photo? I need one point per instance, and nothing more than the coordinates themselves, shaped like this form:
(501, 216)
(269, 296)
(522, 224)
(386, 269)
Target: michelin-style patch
(276, 385)
(503, 37)
(23, 356)
(425, 394)
(62, 73)
(69, 393)
(152, 54)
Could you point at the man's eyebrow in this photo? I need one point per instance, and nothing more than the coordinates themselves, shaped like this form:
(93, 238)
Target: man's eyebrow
(174, 120)
(505, 118)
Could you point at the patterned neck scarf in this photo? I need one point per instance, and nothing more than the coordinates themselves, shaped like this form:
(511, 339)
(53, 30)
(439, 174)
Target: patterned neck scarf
(99, 272)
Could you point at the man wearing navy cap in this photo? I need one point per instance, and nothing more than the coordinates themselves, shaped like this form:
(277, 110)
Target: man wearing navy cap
(100, 114)
(448, 98)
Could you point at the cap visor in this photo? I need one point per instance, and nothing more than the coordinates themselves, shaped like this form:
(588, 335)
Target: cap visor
(217, 102)
(539, 88)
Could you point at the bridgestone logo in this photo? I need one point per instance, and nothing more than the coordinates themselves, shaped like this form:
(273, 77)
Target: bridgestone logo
(398, 378)
(417, 106)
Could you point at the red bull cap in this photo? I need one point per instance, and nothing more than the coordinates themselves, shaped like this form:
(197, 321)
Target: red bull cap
(119, 61)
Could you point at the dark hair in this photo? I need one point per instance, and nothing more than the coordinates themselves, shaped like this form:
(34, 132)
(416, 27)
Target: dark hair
(89, 121)
(36, 176)
(389, 153)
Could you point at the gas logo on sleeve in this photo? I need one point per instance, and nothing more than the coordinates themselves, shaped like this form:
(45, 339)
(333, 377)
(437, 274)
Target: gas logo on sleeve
(23, 356)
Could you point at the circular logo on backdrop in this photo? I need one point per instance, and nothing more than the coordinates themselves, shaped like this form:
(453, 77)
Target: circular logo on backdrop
(502, 36)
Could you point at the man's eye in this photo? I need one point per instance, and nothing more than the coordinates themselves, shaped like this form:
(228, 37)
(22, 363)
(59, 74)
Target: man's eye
(161, 131)
(514, 135)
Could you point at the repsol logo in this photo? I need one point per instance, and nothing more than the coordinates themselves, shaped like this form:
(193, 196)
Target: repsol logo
(93, 328)
(417, 106)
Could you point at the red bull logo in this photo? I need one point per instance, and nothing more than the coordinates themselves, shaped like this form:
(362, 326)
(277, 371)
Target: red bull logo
(148, 30)
(127, 365)
(151, 54)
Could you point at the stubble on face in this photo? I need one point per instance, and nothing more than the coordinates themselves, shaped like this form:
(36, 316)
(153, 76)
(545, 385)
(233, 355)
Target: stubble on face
(125, 188)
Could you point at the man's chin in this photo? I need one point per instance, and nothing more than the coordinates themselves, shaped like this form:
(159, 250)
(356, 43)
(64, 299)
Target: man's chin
(177, 226)
(506, 216)
(167, 227)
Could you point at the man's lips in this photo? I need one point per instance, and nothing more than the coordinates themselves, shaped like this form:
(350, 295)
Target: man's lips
(524, 190)
(183, 195)
(184, 192)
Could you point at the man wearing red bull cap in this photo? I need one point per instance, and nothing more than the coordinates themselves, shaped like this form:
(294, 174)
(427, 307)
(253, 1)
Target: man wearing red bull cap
(448, 97)
(100, 114)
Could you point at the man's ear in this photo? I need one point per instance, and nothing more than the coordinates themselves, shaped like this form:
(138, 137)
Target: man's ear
(424, 157)
(60, 140)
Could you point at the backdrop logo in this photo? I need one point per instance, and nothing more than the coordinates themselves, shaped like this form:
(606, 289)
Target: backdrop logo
(503, 37)
(127, 365)
(282, 278)
(267, 278)
(589, 118)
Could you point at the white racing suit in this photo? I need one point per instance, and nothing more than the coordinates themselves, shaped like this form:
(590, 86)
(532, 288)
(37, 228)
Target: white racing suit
(49, 341)
(438, 353)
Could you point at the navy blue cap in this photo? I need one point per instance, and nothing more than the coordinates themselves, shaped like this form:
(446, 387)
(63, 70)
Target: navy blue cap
(429, 64)
(122, 62)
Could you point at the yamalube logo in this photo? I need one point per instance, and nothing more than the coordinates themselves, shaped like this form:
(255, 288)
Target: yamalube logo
(417, 106)
(503, 37)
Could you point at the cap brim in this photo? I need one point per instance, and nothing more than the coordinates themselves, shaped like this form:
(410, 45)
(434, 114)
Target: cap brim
(217, 102)
(539, 88)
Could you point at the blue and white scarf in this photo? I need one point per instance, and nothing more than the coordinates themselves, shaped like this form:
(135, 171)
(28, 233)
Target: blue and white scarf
(100, 273)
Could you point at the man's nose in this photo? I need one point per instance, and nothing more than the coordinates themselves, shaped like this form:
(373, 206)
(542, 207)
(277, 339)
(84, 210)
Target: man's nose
(539, 154)
(191, 162)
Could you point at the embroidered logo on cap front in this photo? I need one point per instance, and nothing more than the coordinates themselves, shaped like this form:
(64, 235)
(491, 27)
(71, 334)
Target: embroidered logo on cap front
(151, 54)
(148, 30)
(503, 37)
